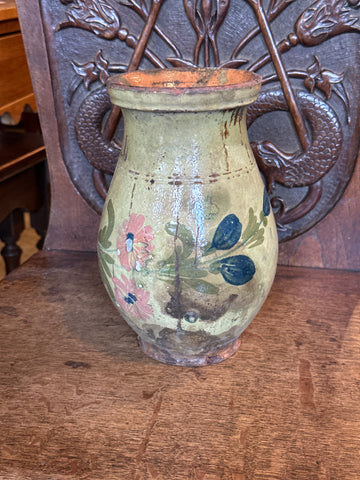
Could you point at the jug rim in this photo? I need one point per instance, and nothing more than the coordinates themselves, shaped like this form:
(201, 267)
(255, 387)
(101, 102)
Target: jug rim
(184, 89)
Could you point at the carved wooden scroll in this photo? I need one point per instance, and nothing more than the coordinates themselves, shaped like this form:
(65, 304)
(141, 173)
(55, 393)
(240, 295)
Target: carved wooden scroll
(303, 127)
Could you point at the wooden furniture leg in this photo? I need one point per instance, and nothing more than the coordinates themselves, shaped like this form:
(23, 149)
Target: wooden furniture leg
(23, 184)
(10, 230)
(39, 219)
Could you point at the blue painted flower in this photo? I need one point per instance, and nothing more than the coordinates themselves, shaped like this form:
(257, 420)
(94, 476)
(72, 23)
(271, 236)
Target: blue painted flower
(227, 233)
(266, 203)
(236, 270)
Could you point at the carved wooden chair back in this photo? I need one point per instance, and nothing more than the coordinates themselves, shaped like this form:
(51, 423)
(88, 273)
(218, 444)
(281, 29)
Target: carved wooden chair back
(304, 128)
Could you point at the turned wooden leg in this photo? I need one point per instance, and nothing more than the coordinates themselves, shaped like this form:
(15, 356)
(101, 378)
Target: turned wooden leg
(39, 219)
(10, 230)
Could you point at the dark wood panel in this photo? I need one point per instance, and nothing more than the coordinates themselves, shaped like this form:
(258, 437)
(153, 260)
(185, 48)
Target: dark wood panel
(334, 242)
(73, 225)
(79, 399)
(302, 127)
(75, 228)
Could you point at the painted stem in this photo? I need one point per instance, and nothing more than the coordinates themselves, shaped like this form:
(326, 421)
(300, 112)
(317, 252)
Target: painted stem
(232, 250)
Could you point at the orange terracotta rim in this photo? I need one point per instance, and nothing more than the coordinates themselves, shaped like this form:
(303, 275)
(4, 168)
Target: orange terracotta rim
(180, 80)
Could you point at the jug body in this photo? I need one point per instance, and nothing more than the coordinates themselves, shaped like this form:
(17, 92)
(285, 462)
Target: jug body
(187, 242)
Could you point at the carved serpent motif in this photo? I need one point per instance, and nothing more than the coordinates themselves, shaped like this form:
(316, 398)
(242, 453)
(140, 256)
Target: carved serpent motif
(101, 154)
(298, 169)
(290, 169)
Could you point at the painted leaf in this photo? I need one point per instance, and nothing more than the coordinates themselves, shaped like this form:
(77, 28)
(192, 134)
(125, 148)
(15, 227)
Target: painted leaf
(208, 249)
(171, 259)
(111, 218)
(201, 286)
(107, 283)
(237, 270)
(107, 258)
(252, 226)
(103, 264)
(102, 238)
(105, 232)
(263, 219)
(227, 233)
(184, 234)
(170, 281)
(186, 269)
(191, 272)
(214, 267)
(257, 239)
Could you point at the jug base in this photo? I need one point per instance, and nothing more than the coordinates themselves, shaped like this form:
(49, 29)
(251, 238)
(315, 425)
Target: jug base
(164, 356)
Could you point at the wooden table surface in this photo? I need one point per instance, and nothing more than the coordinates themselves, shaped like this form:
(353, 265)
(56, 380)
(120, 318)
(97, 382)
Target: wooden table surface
(79, 400)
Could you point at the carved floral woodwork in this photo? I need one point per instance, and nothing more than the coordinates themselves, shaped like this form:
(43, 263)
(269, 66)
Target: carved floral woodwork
(303, 127)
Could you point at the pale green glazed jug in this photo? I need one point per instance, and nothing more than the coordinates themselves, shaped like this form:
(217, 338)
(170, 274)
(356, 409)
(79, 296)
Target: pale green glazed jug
(187, 243)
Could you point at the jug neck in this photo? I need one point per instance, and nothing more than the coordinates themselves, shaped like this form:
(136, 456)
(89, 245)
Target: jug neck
(180, 146)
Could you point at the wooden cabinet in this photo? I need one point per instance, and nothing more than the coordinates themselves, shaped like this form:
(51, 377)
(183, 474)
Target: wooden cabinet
(15, 83)
(22, 152)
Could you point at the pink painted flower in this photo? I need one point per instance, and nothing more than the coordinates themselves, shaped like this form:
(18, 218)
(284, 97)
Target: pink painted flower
(132, 299)
(134, 243)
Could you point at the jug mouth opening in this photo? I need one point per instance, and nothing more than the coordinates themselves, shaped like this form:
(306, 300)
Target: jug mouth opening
(180, 89)
(180, 80)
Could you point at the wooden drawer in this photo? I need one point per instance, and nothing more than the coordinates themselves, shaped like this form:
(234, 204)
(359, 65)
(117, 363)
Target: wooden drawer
(15, 82)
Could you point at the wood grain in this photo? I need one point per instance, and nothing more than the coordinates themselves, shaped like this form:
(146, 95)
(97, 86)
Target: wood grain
(79, 400)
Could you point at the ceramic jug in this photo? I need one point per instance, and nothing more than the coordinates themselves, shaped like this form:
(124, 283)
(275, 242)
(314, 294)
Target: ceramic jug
(187, 243)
